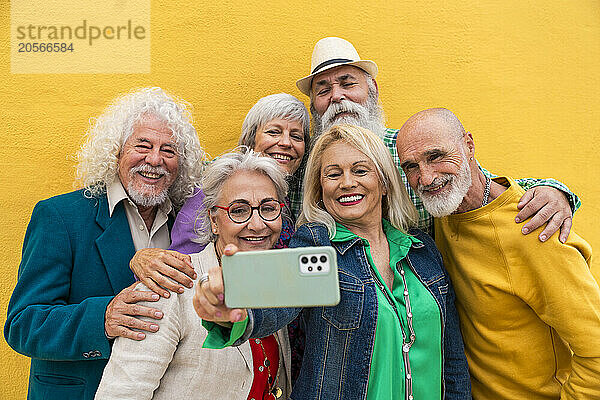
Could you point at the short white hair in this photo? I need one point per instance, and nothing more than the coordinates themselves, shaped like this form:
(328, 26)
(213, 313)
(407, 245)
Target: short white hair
(280, 105)
(223, 168)
(98, 158)
(397, 206)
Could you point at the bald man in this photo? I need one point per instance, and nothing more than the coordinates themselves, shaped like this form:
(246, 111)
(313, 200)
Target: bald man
(529, 311)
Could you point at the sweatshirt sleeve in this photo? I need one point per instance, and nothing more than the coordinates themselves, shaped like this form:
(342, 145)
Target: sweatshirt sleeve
(556, 282)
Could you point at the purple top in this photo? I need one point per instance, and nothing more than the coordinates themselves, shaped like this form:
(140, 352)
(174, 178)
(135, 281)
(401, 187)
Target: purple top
(182, 232)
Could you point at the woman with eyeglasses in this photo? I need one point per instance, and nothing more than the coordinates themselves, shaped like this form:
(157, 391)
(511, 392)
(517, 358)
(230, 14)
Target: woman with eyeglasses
(277, 126)
(243, 203)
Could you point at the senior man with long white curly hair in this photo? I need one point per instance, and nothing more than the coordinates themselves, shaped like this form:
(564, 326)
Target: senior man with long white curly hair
(75, 291)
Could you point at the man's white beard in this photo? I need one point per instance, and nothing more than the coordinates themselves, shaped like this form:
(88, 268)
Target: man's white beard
(447, 202)
(141, 198)
(369, 116)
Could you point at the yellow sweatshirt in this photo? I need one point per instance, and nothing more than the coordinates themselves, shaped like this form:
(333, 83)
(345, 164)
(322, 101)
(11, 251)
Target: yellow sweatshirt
(524, 305)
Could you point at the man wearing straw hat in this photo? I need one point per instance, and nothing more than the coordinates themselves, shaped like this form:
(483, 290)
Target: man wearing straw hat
(342, 89)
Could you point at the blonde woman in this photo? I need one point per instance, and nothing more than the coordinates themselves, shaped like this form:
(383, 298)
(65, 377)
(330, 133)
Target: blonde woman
(394, 334)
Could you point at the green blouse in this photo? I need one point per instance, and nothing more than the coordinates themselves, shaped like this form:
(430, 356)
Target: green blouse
(386, 376)
(387, 373)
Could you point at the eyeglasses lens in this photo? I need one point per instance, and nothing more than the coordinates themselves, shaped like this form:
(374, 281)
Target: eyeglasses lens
(242, 212)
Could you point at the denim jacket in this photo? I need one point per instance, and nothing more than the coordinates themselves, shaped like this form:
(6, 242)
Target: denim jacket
(340, 339)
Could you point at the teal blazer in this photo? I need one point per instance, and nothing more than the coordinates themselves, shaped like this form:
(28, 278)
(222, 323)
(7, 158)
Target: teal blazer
(75, 259)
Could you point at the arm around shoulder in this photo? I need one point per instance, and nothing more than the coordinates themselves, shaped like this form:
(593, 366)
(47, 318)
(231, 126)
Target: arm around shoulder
(135, 368)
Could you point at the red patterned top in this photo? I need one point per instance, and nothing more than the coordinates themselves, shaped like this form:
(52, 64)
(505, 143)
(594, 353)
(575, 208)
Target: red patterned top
(261, 384)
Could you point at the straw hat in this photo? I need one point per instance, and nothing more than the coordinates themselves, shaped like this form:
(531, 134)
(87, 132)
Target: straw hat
(331, 52)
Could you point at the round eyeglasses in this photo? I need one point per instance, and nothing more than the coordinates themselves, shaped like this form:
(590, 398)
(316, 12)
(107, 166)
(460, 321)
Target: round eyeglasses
(240, 212)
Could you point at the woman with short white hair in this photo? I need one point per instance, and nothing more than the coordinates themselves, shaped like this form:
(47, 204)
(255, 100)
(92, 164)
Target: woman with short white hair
(278, 127)
(170, 363)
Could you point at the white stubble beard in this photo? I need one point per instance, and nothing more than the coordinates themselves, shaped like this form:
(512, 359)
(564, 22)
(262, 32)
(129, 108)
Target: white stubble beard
(447, 202)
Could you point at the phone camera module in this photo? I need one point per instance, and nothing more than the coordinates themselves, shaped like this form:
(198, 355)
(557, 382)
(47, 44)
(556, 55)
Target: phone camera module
(304, 260)
(313, 259)
(323, 259)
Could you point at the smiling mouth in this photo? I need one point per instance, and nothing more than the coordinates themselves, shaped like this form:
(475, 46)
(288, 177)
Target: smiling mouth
(280, 157)
(432, 191)
(150, 175)
(254, 238)
(351, 199)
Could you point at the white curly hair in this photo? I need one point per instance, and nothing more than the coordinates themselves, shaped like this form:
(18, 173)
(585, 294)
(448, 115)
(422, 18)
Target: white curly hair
(97, 160)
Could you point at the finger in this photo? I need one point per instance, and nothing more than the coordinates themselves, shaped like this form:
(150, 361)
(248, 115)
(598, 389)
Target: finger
(552, 226)
(208, 294)
(139, 324)
(122, 331)
(150, 284)
(166, 283)
(139, 310)
(134, 296)
(215, 284)
(170, 267)
(565, 229)
(230, 249)
(153, 286)
(205, 309)
(237, 315)
(197, 304)
(539, 219)
(530, 209)
(186, 259)
(526, 198)
(232, 315)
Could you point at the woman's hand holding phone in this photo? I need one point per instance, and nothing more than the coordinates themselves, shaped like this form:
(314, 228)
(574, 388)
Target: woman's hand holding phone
(209, 297)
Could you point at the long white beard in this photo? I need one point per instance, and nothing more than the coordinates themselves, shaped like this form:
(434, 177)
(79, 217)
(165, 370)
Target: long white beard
(369, 116)
(447, 202)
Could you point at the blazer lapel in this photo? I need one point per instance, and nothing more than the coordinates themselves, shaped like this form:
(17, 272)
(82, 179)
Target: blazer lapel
(115, 245)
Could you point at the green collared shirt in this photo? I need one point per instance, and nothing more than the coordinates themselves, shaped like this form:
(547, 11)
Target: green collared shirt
(387, 372)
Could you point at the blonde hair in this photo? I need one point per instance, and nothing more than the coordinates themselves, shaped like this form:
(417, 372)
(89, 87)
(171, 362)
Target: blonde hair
(98, 158)
(397, 206)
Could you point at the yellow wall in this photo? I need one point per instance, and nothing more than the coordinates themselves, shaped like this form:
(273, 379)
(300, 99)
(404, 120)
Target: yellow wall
(524, 77)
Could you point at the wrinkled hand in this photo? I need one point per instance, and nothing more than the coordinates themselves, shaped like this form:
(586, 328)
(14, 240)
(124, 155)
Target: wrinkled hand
(122, 310)
(209, 299)
(163, 269)
(545, 204)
